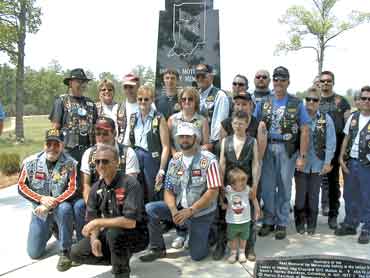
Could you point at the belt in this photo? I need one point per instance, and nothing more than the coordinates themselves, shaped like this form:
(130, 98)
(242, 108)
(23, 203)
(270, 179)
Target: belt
(275, 141)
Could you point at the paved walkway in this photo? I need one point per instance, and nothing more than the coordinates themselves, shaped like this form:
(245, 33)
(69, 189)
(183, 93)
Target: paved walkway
(15, 214)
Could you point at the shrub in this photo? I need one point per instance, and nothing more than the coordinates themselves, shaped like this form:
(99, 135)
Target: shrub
(9, 163)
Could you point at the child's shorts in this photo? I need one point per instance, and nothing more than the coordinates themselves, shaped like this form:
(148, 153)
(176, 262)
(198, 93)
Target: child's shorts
(238, 231)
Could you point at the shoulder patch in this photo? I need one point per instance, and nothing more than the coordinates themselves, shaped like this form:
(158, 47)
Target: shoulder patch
(203, 163)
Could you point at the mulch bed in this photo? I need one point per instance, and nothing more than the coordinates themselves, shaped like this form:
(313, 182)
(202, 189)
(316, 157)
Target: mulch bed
(6, 181)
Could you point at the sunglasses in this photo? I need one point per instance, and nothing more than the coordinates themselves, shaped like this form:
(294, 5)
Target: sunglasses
(102, 133)
(261, 76)
(365, 98)
(106, 90)
(102, 161)
(189, 99)
(313, 99)
(140, 99)
(238, 84)
(326, 81)
(128, 87)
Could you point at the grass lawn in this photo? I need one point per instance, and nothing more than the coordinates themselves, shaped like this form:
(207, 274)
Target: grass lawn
(34, 132)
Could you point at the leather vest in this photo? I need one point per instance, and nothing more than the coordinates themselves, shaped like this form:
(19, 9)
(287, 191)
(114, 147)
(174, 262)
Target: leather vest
(193, 180)
(245, 159)
(288, 123)
(153, 137)
(208, 109)
(121, 122)
(122, 152)
(319, 136)
(78, 122)
(364, 142)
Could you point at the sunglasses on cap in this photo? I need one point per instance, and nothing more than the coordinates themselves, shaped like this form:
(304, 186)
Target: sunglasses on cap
(313, 99)
(102, 161)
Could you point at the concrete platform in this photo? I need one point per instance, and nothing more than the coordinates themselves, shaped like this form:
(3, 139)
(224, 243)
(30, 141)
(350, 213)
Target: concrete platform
(15, 215)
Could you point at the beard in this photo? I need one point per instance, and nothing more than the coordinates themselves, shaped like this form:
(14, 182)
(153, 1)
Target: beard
(187, 146)
(51, 156)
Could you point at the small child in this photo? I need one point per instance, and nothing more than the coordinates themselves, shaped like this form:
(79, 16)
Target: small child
(238, 214)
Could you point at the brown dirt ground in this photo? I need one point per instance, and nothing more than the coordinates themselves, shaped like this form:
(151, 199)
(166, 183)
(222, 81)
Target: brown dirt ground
(6, 181)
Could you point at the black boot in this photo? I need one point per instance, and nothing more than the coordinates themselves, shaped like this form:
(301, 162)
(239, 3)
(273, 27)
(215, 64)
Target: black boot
(299, 219)
(312, 222)
(219, 251)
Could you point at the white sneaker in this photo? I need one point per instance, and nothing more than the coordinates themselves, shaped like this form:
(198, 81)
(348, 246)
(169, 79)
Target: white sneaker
(232, 258)
(242, 258)
(178, 242)
(186, 243)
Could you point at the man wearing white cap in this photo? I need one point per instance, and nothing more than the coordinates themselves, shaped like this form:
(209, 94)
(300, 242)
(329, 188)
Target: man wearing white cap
(191, 189)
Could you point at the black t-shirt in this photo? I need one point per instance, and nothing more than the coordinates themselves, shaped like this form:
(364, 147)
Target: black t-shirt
(335, 106)
(251, 130)
(167, 105)
(123, 197)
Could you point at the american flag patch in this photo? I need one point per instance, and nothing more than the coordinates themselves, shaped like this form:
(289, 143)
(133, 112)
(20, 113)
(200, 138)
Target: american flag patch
(213, 176)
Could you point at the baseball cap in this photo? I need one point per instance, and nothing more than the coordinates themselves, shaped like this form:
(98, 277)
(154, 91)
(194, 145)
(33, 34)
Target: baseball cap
(186, 129)
(54, 134)
(131, 79)
(203, 69)
(242, 95)
(280, 73)
(105, 123)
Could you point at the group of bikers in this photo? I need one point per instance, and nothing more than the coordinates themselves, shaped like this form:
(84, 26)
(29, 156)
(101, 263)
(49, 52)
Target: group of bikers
(121, 174)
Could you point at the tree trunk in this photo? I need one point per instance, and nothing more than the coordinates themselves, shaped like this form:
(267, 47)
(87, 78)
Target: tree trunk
(321, 58)
(19, 130)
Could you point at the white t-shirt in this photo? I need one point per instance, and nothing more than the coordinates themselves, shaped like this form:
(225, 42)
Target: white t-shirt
(238, 208)
(132, 163)
(187, 161)
(363, 120)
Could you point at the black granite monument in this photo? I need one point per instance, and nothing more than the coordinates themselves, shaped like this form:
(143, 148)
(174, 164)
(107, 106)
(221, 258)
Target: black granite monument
(188, 34)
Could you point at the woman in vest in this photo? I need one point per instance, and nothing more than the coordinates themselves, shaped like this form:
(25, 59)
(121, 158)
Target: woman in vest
(189, 104)
(150, 138)
(107, 106)
(318, 163)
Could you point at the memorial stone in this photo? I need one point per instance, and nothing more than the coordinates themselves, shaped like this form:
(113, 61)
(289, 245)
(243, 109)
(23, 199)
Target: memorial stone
(188, 34)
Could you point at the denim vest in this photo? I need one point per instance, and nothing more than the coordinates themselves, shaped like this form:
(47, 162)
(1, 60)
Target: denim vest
(47, 183)
(193, 180)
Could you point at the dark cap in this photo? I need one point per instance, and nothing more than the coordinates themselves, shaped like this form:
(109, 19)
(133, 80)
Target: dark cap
(54, 134)
(280, 73)
(105, 123)
(242, 95)
(203, 69)
(75, 74)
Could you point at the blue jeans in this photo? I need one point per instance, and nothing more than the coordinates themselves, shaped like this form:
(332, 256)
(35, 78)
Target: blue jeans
(276, 183)
(79, 210)
(356, 194)
(40, 230)
(198, 229)
(149, 168)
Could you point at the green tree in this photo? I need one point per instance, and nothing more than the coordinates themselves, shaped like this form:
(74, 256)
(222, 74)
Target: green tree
(146, 75)
(315, 28)
(17, 18)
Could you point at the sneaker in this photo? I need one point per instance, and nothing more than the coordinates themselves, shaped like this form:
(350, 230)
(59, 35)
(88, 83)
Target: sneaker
(178, 242)
(242, 258)
(64, 262)
(345, 230)
(364, 237)
(232, 258)
(332, 221)
(266, 230)
(152, 254)
(186, 243)
(280, 232)
(251, 255)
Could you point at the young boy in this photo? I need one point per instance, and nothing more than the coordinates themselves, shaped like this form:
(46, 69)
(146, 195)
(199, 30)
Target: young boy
(238, 213)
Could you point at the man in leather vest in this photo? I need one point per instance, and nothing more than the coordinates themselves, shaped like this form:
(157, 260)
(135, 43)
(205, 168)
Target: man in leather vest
(115, 215)
(261, 82)
(105, 132)
(168, 103)
(339, 110)
(48, 180)
(214, 103)
(286, 120)
(191, 189)
(75, 115)
(355, 162)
